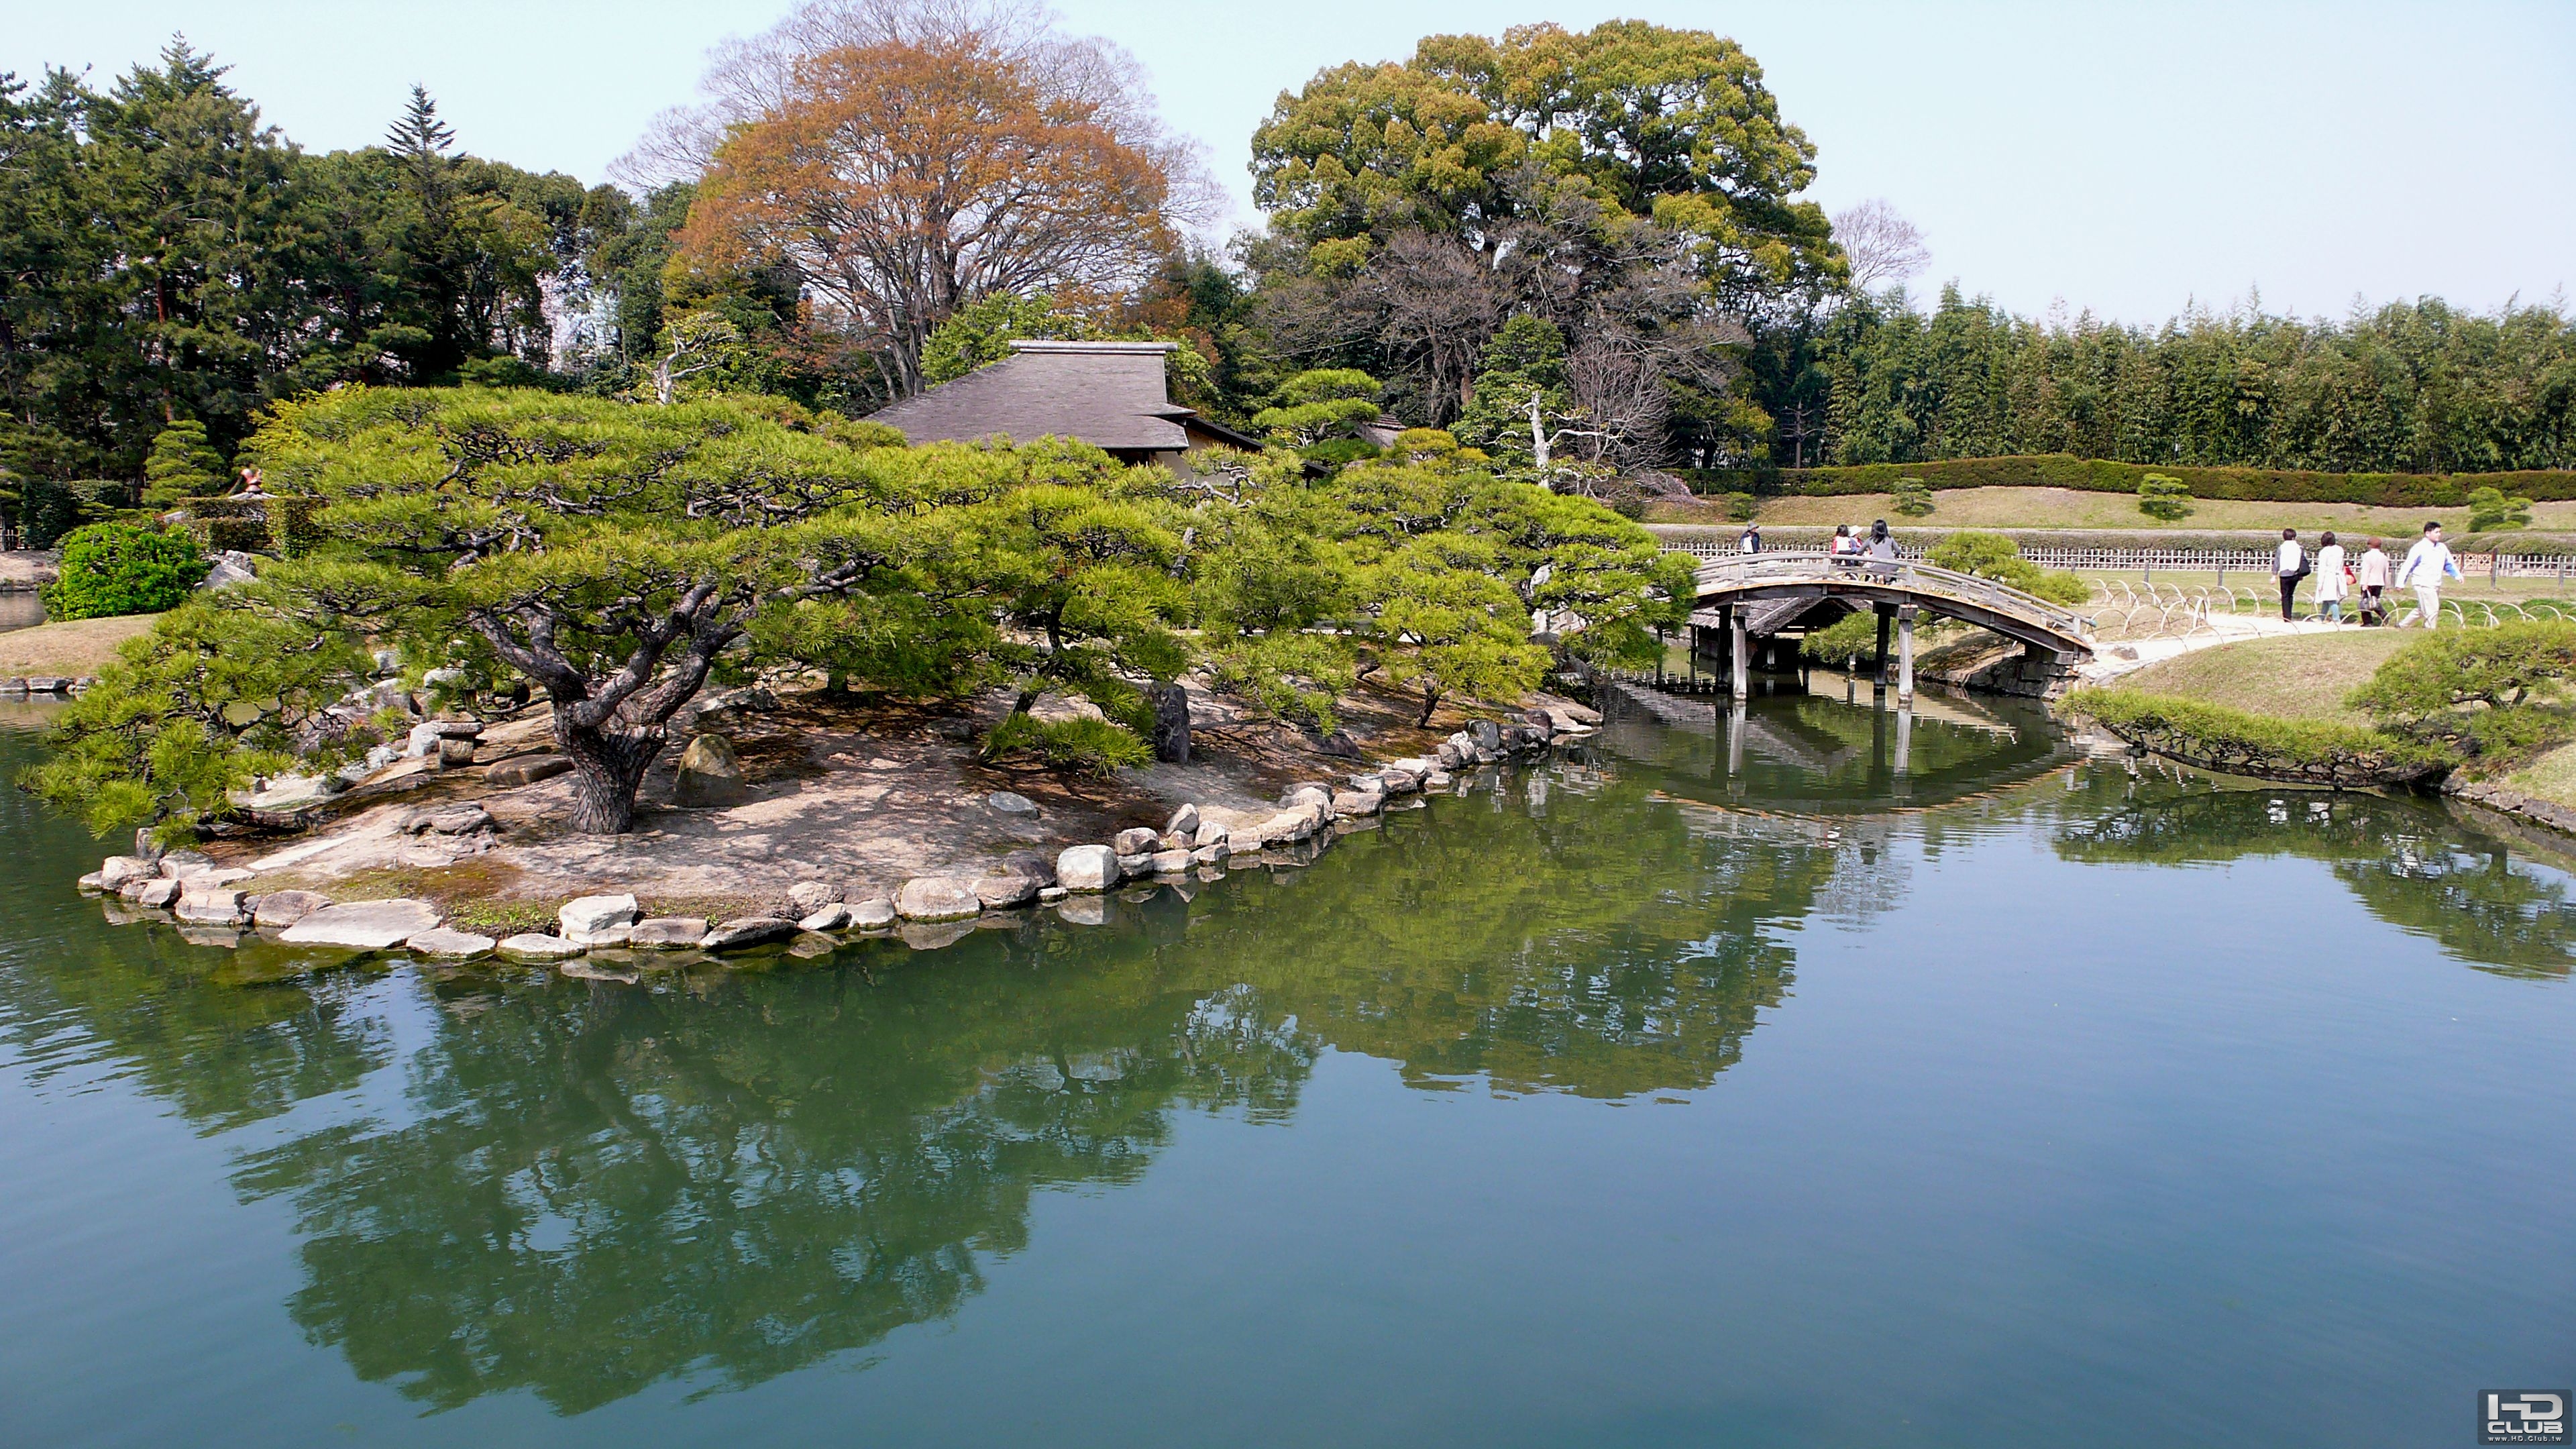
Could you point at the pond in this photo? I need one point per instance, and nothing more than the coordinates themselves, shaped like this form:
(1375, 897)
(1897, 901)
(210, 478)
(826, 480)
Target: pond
(1714, 1084)
(20, 609)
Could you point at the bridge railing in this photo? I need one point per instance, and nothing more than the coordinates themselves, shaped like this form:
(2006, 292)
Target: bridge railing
(1799, 566)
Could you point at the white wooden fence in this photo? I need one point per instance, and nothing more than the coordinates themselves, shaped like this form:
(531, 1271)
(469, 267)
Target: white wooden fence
(2148, 562)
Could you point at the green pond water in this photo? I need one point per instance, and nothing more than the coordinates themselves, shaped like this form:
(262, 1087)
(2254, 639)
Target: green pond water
(1707, 1085)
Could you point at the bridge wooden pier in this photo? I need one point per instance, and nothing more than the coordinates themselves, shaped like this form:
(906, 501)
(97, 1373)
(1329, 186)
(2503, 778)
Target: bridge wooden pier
(1760, 596)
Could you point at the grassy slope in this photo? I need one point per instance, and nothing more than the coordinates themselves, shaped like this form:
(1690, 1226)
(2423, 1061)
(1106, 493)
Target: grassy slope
(82, 646)
(2070, 508)
(2291, 676)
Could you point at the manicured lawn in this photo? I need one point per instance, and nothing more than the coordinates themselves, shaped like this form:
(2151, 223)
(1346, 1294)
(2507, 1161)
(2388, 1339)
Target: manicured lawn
(2292, 676)
(2072, 508)
(82, 646)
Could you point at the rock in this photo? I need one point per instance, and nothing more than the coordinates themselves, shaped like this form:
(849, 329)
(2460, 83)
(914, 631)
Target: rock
(1209, 855)
(94, 881)
(1340, 746)
(449, 820)
(1438, 780)
(1049, 895)
(281, 909)
(1131, 866)
(1171, 724)
(1373, 783)
(1030, 863)
(1005, 802)
(160, 893)
(936, 898)
(1086, 868)
(1358, 802)
(1309, 797)
(873, 914)
(589, 920)
(667, 933)
(1210, 833)
(535, 946)
(423, 740)
(1135, 840)
(998, 891)
(809, 896)
(811, 945)
(180, 864)
(365, 925)
(455, 754)
(147, 848)
(454, 945)
(1489, 735)
(1169, 862)
(525, 770)
(710, 775)
(1449, 756)
(216, 906)
(750, 931)
(831, 917)
(1184, 821)
(116, 870)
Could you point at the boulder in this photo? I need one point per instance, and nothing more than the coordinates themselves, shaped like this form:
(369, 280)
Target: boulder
(998, 891)
(1135, 840)
(160, 893)
(525, 770)
(1210, 833)
(212, 905)
(1005, 802)
(423, 740)
(282, 909)
(1170, 862)
(1184, 821)
(1358, 802)
(809, 896)
(1049, 895)
(936, 898)
(873, 914)
(448, 820)
(1131, 866)
(1438, 780)
(1209, 855)
(750, 931)
(180, 864)
(1035, 865)
(536, 946)
(116, 870)
(92, 882)
(594, 920)
(1489, 735)
(1087, 868)
(667, 933)
(832, 917)
(454, 753)
(364, 925)
(453, 945)
(1171, 724)
(1340, 746)
(710, 775)
(147, 848)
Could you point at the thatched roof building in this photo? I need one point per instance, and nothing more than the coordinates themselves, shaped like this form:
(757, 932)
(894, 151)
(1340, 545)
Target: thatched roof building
(1108, 394)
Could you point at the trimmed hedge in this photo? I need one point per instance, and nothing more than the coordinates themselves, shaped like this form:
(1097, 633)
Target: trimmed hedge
(278, 524)
(2231, 741)
(2098, 475)
(113, 569)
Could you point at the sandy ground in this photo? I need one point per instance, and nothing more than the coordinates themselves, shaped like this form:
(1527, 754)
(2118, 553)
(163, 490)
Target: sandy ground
(860, 796)
(83, 646)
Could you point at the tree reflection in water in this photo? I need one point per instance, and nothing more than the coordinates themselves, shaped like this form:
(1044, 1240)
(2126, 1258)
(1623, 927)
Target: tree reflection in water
(584, 1189)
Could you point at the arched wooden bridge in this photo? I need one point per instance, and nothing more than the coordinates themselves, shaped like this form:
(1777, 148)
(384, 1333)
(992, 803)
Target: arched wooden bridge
(1761, 594)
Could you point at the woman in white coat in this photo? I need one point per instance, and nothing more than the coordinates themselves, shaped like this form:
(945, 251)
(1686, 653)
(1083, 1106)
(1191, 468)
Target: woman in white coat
(2330, 577)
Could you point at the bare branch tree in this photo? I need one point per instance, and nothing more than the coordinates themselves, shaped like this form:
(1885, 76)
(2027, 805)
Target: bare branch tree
(1883, 246)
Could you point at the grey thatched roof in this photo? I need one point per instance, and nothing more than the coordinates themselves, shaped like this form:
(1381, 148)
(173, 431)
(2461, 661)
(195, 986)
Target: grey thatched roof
(1108, 394)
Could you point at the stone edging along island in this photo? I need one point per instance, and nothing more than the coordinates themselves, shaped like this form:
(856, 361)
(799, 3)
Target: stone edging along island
(926, 912)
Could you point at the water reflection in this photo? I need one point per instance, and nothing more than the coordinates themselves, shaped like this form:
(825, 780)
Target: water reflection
(513, 1181)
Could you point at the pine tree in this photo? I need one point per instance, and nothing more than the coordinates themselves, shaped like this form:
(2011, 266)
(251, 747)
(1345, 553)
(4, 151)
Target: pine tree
(183, 465)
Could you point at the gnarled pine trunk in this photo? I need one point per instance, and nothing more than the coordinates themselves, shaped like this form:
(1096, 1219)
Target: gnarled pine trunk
(608, 766)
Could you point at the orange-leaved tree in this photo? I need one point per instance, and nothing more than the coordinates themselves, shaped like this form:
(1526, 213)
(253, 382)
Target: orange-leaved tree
(902, 181)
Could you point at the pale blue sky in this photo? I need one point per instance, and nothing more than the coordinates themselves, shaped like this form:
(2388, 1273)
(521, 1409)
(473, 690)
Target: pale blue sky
(2123, 158)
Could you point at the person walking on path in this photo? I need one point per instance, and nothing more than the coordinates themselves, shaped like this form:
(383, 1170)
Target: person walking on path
(2371, 577)
(2331, 579)
(2427, 563)
(1751, 542)
(2289, 565)
(1881, 549)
